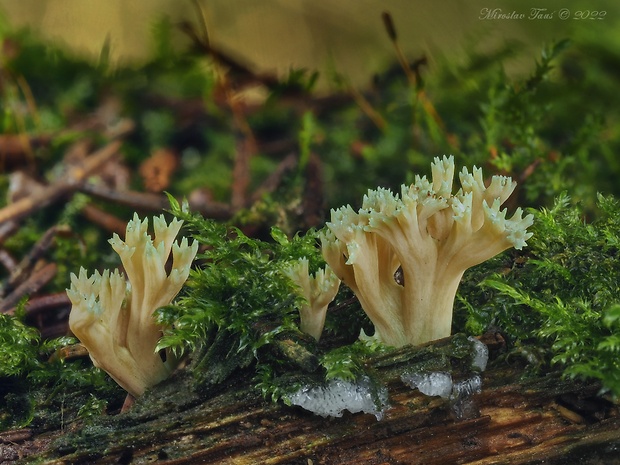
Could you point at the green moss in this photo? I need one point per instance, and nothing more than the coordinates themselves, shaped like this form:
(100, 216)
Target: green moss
(238, 306)
(562, 295)
(19, 346)
(36, 386)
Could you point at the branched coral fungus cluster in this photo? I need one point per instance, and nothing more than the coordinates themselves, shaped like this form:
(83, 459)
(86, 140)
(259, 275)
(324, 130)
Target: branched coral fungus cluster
(429, 234)
(113, 318)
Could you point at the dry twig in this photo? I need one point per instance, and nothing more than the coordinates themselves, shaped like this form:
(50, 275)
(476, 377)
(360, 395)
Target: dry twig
(20, 273)
(69, 182)
(32, 284)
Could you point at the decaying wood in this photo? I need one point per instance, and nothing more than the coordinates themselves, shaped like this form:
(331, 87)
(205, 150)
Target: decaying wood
(512, 421)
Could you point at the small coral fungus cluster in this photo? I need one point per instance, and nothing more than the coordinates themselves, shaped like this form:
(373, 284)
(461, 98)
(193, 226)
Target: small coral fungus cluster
(113, 317)
(318, 291)
(428, 234)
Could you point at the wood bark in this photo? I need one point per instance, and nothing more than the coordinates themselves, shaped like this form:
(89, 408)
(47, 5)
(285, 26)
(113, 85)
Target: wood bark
(515, 419)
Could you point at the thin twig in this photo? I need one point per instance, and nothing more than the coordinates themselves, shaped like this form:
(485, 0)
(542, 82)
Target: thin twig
(35, 281)
(7, 229)
(241, 172)
(104, 219)
(313, 196)
(133, 199)
(367, 108)
(24, 268)
(243, 72)
(246, 147)
(153, 202)
(43, 303)
(214, 210)
(67, 183)
(14, 148)
(7, 260)
(15, 436)
(270, 184)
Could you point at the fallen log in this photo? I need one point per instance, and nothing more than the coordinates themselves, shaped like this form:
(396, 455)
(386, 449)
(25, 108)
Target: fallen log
(515, 419)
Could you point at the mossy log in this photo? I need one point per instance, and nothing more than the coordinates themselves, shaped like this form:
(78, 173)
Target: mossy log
(514, 420)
